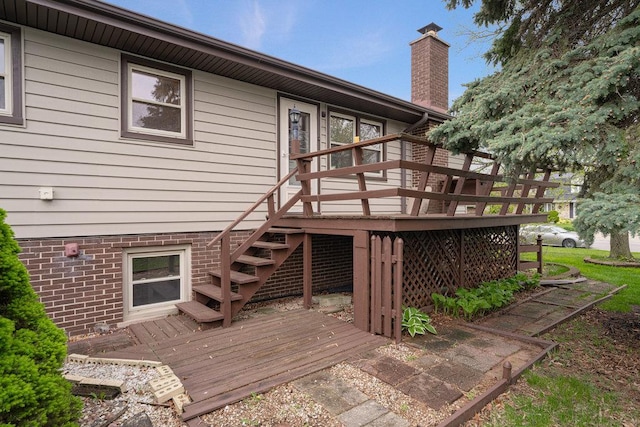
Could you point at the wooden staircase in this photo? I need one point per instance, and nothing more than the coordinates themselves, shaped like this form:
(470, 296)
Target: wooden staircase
(244, 270)
(248, 273)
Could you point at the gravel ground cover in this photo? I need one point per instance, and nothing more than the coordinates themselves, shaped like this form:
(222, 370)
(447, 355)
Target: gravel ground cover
(136, 398)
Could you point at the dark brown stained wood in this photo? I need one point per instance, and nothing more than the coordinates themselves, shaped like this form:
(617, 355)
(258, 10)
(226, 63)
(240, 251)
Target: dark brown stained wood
(282, 230)
(237, 277)
(269, 245)
(215, 292)
(141, 333)
(132, 353)
(272, 339)
(199, 312)
(225, 365)
(264, 353)
(150, 331)
(254, 260)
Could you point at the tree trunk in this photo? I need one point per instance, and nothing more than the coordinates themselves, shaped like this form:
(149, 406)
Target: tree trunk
(620, 246)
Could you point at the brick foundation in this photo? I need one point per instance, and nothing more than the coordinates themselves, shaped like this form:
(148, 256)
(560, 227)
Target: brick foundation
(82, 291)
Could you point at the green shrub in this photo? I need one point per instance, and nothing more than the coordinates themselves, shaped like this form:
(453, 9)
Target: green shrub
(486, 297)
(553, 216)
(33, 391)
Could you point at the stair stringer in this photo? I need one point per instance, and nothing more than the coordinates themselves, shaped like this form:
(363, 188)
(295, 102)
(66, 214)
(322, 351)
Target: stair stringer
(263, 273)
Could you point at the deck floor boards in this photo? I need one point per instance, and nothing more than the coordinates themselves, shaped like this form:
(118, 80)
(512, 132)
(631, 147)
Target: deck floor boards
(224, 365)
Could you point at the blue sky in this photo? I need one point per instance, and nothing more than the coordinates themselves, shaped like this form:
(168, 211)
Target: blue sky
(362, 41)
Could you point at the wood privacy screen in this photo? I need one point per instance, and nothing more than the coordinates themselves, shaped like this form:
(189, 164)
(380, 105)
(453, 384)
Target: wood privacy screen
(444, 260)
(386, 286)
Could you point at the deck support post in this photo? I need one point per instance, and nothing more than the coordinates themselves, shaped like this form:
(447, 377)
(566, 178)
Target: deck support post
(225, 279)
(307, 277)
(361, 287)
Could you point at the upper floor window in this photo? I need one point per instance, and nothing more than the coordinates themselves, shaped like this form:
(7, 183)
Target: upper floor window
(344, 129)
(10, 75)
(157, 101)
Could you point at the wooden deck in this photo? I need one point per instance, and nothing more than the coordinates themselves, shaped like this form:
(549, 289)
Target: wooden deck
(225, 365)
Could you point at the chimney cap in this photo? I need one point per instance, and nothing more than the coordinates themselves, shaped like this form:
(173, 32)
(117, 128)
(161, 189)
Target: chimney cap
(430, 27)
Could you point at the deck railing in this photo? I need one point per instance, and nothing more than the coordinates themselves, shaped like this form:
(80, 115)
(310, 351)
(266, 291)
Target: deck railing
(490, 188)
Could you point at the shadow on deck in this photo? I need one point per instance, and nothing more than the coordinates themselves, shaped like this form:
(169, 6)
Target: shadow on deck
(221, 366)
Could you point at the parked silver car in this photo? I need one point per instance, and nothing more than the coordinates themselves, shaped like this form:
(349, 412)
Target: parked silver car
(552, 235)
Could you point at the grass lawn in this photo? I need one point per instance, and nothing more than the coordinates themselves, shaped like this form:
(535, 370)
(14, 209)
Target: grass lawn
(591, 379)
(629, 276)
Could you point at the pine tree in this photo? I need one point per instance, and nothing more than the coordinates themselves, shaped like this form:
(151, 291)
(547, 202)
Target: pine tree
(33, 391)
(567, 96)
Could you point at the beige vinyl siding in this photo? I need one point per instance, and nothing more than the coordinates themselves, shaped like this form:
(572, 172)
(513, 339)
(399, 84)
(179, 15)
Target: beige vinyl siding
(104, 184)
(390, 205)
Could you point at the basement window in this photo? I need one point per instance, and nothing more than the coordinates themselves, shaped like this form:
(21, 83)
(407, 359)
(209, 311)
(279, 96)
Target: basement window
(155, 280)
(157, 101)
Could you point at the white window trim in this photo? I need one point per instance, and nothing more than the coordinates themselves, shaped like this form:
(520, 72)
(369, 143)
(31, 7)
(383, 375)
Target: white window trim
(8, 75)
(183, 97)
(135, 314)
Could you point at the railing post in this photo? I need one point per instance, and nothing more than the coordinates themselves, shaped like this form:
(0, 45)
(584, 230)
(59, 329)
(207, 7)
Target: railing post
(225, 279)
(376, 285)
(398, 254)
(539, 253)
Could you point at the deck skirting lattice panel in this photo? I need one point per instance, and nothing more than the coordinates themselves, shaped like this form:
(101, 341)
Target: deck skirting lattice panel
(444, 260)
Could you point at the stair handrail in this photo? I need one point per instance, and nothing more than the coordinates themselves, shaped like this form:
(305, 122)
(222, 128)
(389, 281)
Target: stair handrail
(252, 208)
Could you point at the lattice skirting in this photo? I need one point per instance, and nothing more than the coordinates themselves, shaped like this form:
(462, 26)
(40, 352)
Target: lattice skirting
(443, 261)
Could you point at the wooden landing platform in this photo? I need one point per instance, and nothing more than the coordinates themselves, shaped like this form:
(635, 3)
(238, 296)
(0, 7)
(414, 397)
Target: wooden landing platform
(222, 366)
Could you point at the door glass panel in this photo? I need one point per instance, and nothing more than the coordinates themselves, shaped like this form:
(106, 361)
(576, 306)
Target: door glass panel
(304, 128)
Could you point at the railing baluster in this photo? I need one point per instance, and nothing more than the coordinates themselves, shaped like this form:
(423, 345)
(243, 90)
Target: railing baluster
(362, 183)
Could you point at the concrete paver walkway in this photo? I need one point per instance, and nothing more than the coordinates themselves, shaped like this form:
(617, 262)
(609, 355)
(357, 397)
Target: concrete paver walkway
(461, 358)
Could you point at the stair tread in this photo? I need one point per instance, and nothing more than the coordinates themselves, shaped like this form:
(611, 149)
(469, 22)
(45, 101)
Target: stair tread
(199, 312)
(254, 260)
(237, 277)
(284, 230)
(269, 245)
(215, 292)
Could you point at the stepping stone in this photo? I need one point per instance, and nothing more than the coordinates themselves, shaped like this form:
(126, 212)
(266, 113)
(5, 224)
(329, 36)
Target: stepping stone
(363, 414)
(335, 395)
(473, 357)
(462, 376)
(388, 369)
(430, 390)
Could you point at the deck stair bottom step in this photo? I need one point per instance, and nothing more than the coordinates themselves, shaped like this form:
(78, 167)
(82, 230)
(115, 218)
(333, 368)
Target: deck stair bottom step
(237, 277)
(199, 312)
(215, 292)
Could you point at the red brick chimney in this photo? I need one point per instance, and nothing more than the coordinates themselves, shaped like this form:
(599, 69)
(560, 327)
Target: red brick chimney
(430, 70)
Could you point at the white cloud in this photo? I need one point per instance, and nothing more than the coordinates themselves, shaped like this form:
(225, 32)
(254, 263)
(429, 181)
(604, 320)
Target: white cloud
(253, 25)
